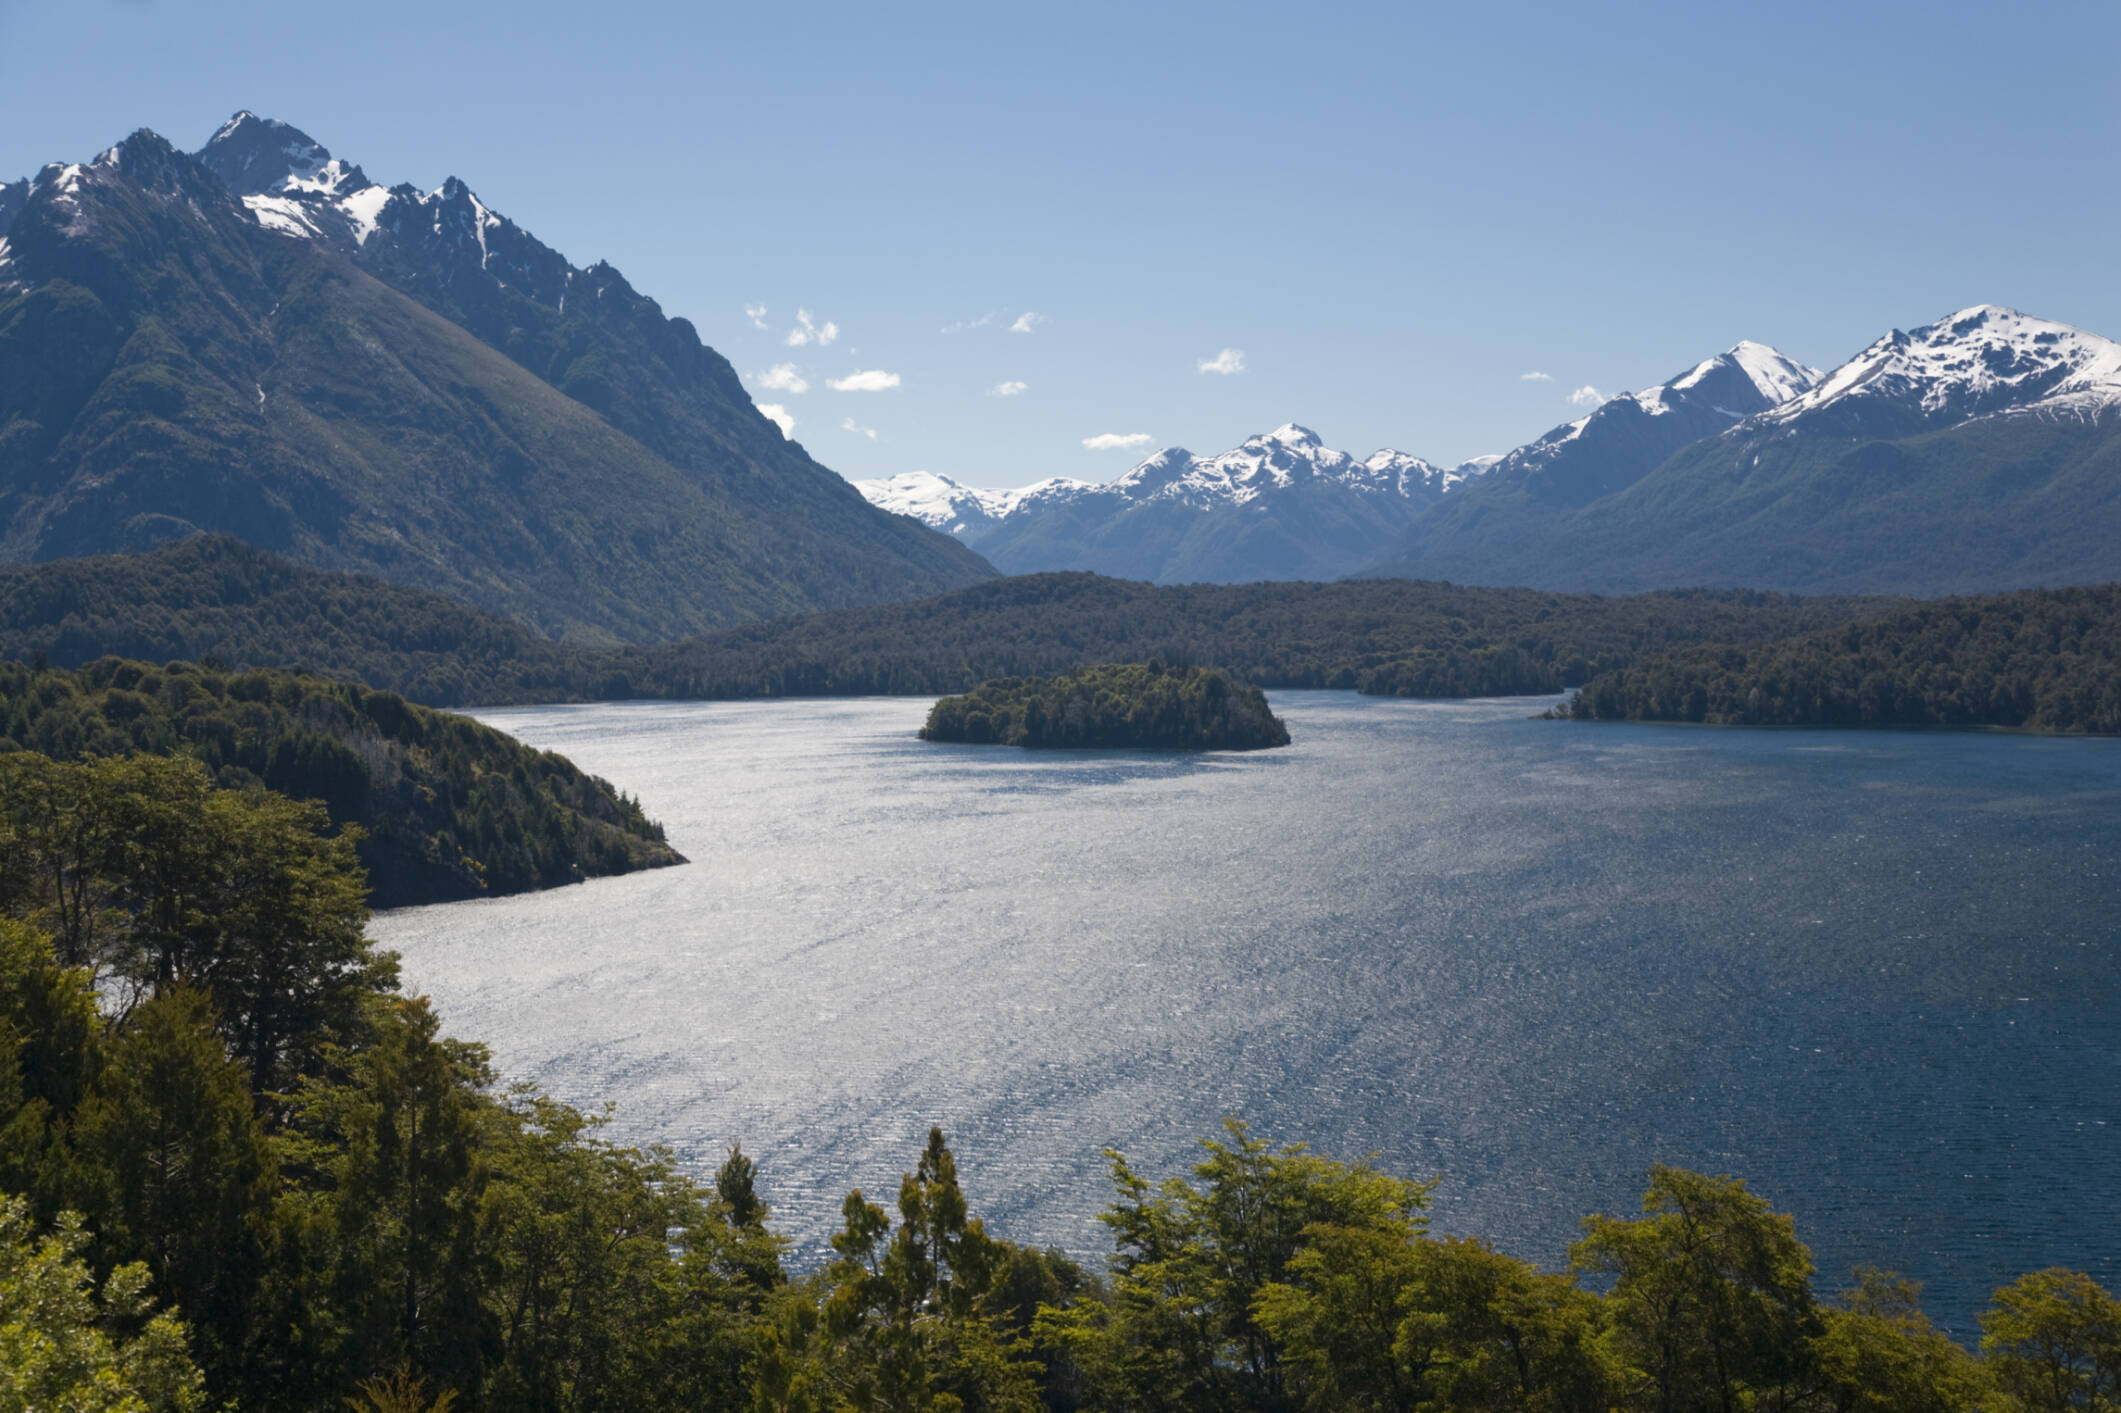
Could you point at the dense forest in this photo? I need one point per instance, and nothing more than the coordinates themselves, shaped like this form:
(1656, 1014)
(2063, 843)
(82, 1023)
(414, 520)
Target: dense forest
(2040, 660)
(242, 1170)
(1117, 705)
(216, 599)
(441, 806)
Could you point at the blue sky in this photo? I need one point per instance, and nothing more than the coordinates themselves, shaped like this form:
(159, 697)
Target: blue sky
(1393, 212)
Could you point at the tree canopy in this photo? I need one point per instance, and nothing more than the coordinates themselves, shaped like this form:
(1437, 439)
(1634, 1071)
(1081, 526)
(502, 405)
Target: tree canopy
(439, 806)
(1119, 705)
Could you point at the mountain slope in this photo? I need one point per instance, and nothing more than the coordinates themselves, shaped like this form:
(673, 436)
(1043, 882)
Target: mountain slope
(1594, 456)
(1975, 454)
(1281, 506)
(168, 363)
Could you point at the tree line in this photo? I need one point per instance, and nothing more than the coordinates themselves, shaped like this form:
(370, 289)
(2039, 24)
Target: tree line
(441, 806)
(1115, 705)
(2040, 660)
(217, 598)
(242, 1169)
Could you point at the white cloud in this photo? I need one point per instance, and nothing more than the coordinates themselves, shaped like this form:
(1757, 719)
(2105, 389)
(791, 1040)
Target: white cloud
(1535, 377)
(807, 330)
(756, 313)
(782, 377)
(1009, 389)
(963, 324)
(869, 380)
(1026, 322)
(1116, 441)
(1230, 360)
(848, 426)
(1586, 396)
(779, 417)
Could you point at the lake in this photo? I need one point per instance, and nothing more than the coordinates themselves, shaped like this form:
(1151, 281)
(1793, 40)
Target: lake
(1875, 974)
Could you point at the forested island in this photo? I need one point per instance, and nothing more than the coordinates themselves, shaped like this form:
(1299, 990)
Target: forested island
(441, 806)
(246, 1171)
(1120, 705)
(2041, 660)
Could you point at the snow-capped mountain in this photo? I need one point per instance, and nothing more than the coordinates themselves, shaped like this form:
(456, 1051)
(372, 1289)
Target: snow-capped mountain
(1980, 362)
(261, 341)
(1626, 436)
(1281, 505)
(1979, 452)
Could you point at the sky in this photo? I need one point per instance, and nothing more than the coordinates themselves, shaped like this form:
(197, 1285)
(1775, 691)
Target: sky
(1003, 243)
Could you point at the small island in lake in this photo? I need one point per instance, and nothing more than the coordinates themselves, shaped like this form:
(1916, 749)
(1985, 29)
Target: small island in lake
(1137, 704)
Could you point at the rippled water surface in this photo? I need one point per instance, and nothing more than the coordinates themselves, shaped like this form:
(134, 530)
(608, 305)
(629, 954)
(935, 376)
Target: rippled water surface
(1874, 974)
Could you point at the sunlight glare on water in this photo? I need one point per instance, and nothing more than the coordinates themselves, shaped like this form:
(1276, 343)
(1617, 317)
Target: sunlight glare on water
(1875, 974)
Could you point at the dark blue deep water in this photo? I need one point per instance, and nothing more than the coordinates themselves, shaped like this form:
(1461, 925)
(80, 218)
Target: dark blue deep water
(1874, 974)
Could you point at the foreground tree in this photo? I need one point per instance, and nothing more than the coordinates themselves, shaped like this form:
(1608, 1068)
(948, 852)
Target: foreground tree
(2053, 1341)
(1711, 1297)
(64, 1345)
(1182, 1326)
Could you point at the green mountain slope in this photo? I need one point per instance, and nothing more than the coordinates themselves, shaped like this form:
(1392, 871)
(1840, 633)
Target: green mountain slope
(167, 364)
(450, 808)
(1987, 506)
(1976, 454)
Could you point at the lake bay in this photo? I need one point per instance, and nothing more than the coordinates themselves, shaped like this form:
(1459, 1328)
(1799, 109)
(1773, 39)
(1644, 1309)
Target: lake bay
(1875, 974)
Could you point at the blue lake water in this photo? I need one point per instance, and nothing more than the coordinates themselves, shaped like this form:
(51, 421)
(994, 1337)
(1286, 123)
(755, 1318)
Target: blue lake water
(1874, 974)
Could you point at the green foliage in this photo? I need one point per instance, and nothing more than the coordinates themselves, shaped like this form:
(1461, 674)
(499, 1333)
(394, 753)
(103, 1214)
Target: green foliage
(898, 1321)
(64, 1345)
(1711, 1293)
(1194, 1319)
(152, 880)
(213, 597)
(437, 806)
(2042, 660)
(2053, 1340)
(1127, 704)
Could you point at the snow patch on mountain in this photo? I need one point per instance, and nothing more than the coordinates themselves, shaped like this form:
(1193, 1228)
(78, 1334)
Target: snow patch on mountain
(1985, 360)
(1288, 458)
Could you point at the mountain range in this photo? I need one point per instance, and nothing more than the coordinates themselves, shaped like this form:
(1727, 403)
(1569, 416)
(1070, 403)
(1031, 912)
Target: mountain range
(258, 340)
(1978, 453)
(1281, 506)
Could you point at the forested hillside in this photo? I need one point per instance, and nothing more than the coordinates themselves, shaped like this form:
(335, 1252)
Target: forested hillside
(2043, 660)
(214, 597)
(1120, 705)
(444, 807)
(1386, 637)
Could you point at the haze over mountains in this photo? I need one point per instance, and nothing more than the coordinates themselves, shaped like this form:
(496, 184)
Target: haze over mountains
(261, 341)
